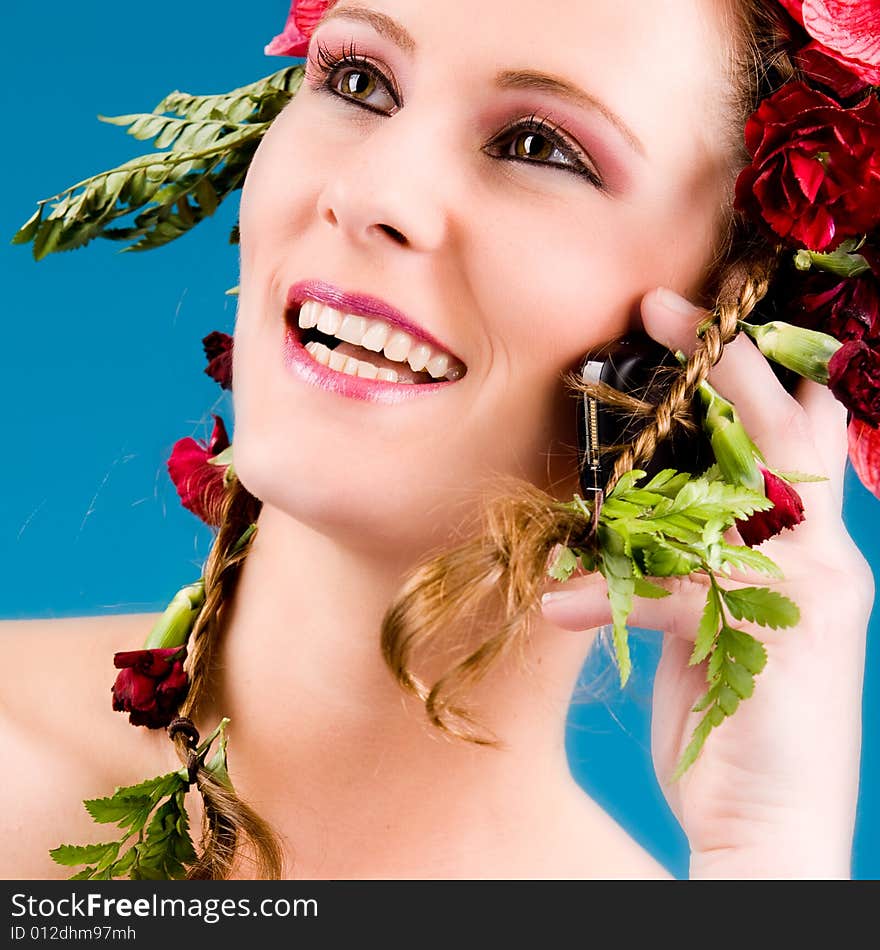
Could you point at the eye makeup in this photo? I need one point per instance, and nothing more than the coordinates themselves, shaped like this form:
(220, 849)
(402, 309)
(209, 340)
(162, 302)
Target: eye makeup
(324, 68)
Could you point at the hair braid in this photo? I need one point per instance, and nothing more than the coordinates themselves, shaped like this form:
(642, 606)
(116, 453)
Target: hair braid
(744, 285)
(226, 817)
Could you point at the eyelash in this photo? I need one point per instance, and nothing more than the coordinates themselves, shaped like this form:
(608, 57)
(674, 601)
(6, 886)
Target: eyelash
(323, 64)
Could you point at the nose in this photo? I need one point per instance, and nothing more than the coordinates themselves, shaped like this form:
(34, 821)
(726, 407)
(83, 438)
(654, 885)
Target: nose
(385, 188)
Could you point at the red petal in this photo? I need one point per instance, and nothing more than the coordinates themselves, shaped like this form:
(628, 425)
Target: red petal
(302, 19)
(787, 511)
(218, 350)
(851, 29)
(809, 172)
(200, 484)
(864, 453)
(795, 9)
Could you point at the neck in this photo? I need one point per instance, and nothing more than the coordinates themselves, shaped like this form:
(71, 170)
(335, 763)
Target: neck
(329, 749)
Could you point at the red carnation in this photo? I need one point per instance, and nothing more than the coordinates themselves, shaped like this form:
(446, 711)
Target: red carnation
(854, 378)
(218, 350)
(302, 19)
(848, 309)
(864, 453)
(199, 483)
(844, 47)
(815, 172)
(150, 686)
(787, 511)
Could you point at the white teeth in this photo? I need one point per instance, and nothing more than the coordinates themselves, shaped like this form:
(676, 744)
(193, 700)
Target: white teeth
(398, 346)
(353, 367)
(352, 328)
(367, 370)
(309, 313)
(377, 336)
(329, 320)
(419, 356)
(438, 365)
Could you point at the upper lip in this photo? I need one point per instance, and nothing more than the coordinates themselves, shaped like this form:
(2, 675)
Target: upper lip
(362, 304)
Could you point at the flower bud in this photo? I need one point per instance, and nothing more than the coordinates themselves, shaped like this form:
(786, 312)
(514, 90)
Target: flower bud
(806, 352)
(734, 451)
(787, 511)
(173, 628)
(837, 262)
(151, 685)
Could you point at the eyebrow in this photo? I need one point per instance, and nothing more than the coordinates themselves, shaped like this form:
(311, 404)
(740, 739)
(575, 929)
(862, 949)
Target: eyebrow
(509, 79)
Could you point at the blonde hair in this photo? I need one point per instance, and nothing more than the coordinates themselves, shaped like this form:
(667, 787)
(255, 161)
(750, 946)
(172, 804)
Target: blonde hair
(503, 568)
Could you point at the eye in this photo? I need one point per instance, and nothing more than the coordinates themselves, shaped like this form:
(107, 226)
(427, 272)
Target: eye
(538, 142)
(353, 78)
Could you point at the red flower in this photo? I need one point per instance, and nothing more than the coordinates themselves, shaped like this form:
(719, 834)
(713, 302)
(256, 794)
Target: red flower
(302, 19)
(787, 511)
(844, 51)
(815, 172)
(150, 686)
(218, 350)
(864, 453)
(854, 378)
(198, 482)
(848, 309)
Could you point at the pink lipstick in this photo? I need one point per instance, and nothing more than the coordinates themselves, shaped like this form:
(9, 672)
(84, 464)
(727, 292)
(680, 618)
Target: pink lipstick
(299, 361)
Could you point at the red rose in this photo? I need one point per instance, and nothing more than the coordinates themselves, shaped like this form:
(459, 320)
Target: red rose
(844, 51)
(815, 172)
(864, 453)
(787, 511)
(199, 483)
(848, 309)
(854, 378)
(302, 19)
(150, 686)
(218, 350)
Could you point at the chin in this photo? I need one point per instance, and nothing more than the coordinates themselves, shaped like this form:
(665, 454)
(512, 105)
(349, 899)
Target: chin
(367, 505)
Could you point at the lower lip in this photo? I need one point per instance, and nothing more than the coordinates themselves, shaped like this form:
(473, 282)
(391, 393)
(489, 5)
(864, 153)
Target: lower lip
(298, 361)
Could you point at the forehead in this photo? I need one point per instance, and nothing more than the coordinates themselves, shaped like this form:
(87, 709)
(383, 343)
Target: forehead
(661, 65)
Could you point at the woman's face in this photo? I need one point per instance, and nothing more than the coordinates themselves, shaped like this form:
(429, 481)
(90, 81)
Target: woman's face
(420, 174)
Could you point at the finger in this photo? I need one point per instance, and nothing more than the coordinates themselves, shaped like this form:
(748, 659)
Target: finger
(777, 423)
(828, 420)
(582, 604)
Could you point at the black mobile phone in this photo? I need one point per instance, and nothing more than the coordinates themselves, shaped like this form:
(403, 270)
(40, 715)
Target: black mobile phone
(632, 365)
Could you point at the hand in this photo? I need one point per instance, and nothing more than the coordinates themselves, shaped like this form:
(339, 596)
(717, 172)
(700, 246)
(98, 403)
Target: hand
(774, 790)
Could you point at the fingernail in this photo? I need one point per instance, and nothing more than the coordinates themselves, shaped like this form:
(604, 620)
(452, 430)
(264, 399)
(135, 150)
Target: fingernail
(676, 303)
(556, 597)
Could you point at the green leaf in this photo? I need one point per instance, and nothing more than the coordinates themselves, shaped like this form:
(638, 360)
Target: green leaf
(562, 564)
(738, 678)
(796, 477)
(698, 740)
(761, 605)
(116, 809)
(707, 630)
(27, 231)
(745, 558)
(643, 588)
(618, 572)
(626, 482)
(727, 700)
(74, 854)
(663, 560)
(745, 648)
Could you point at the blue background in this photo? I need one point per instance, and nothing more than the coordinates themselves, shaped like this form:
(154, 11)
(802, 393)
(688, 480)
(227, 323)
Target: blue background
(102, 365)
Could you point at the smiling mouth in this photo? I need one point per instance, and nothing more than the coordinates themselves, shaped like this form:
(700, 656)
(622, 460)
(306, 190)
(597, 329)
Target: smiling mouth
(369, 347)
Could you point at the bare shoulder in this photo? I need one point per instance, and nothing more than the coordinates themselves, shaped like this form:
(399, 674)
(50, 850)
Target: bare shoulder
(59, 738)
